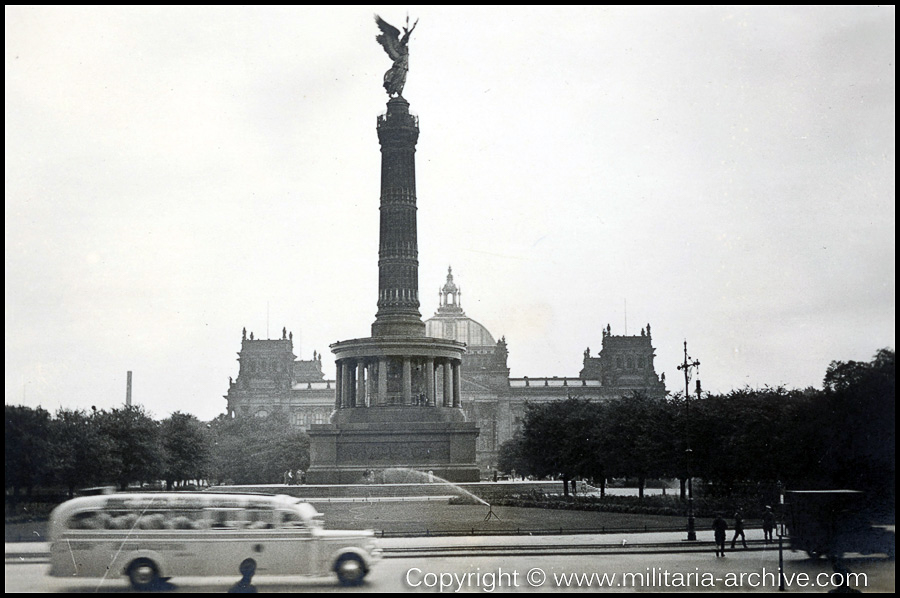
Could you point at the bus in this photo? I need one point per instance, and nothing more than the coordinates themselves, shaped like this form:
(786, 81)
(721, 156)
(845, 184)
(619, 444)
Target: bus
(152, 537)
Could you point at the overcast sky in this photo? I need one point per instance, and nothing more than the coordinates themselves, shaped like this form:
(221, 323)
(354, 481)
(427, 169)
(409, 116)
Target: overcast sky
(176, 174)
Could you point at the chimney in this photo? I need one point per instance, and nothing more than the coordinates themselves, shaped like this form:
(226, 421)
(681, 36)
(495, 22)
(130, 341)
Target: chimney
(128, 391)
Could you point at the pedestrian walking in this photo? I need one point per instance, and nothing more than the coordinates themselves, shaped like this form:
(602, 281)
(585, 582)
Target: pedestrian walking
(720, 527)
(738, 529)
(768, 524)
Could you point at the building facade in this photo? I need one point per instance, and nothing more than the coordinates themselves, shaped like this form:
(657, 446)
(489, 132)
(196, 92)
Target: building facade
(272, 381)
(488, 395)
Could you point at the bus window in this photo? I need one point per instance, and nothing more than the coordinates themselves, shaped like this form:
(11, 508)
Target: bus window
(260, 519)
(292, 519)
(226, 518)
(184, 519)
(88, 520)
(151, 521)
(182, 522)
(123, 521)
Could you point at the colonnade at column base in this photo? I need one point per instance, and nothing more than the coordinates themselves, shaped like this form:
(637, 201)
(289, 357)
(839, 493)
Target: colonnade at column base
(414, 371)
(397, 408)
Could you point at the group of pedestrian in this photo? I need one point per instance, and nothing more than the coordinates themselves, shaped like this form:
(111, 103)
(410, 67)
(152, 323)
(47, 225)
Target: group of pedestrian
(292, 479)
(720, 527)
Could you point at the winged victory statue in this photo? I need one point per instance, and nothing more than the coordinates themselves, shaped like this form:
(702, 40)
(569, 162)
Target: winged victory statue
(395, 45)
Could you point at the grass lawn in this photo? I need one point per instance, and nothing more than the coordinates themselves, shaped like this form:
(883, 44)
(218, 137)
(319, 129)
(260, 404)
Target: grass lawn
(437, 517)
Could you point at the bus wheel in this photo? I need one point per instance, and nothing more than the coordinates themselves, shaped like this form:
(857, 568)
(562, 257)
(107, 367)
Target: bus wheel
(815, 554)
(350, 570)
(143, 574)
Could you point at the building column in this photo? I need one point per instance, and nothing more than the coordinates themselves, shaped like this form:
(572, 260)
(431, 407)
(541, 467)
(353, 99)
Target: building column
(382, 381)
(429, 381)
(339, 365)
(370, 370)
(346, 390)
(456, 383)
(448, 384)
(407, 382)
(351, 386)
(361, 384)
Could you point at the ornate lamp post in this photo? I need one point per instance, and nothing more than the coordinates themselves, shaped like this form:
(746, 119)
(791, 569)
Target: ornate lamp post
(686, 367)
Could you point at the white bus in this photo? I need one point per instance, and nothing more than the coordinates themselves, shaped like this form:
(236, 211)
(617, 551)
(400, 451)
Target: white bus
(151, 537)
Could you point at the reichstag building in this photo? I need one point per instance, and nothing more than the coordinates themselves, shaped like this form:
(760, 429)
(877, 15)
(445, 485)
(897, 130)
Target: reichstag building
(271, 381)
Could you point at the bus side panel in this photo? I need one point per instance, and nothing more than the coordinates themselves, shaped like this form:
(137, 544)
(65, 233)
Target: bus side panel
(75, 555)
(206, 553)
(293, 550)
(78, 556)
(225, 551)
(276, 552)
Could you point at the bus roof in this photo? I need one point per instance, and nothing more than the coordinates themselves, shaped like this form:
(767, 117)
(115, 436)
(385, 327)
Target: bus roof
(206, 500)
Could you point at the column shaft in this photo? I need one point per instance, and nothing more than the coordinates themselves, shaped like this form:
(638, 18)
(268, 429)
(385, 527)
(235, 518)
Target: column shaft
(429, 381)
(456, 384)
(448, 384)
(370, 371)
(346, 386)
(407, 382)
(382, 381)
(338, 385)
(361, 384)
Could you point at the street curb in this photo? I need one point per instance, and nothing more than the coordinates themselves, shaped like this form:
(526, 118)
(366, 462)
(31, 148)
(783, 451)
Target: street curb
(33, 554)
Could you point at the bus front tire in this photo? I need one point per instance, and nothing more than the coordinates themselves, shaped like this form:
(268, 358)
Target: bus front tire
(144, 574)
(350, 570)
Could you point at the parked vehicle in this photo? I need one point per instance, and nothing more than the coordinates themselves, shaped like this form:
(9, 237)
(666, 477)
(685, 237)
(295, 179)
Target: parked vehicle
(831, 523)
(149, 537)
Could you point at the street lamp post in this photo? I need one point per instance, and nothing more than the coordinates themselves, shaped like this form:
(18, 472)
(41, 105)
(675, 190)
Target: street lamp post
(780, 526)
(686, 367)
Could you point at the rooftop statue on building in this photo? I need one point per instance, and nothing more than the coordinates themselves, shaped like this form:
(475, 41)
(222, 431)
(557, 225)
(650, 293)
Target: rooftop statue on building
(396, 47)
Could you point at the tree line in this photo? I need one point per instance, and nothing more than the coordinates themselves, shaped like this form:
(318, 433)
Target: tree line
(841, 436)
(78, 449)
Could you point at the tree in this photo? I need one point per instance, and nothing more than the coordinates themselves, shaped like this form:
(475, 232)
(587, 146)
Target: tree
(754, 440)
(82, 455)
(135, 443)
(253, 450)
(561, 439)
(840, 437)
(637, 438)
(860, 415)
(281, 448)
(27, 448)
(510, 457)
(185, 448)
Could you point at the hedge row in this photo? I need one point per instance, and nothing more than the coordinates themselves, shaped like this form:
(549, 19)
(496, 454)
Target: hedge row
(649, 505)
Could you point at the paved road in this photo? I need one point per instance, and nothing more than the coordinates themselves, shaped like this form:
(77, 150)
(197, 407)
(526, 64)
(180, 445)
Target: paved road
(540, 563)
(741, 571)
(491, 544)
